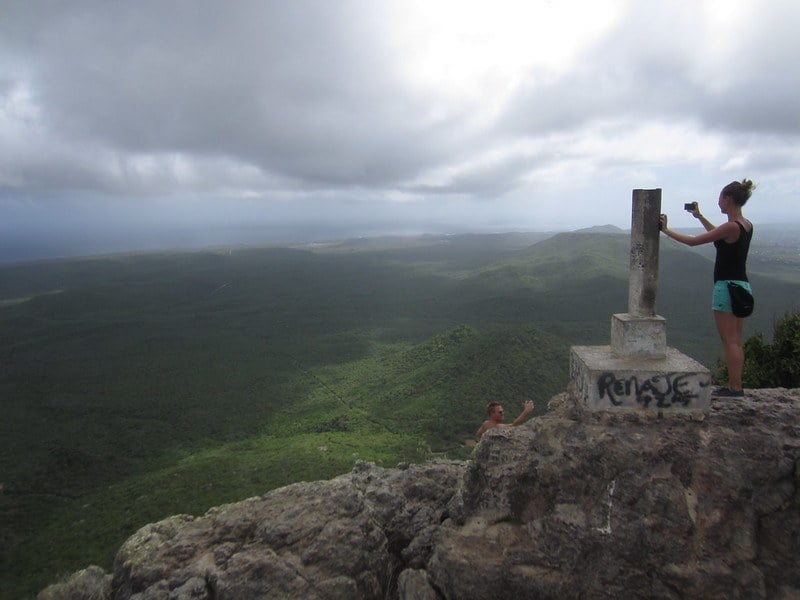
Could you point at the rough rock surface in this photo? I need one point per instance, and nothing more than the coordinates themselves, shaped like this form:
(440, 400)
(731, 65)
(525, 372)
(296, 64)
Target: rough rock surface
(573, 504)
(623, 505)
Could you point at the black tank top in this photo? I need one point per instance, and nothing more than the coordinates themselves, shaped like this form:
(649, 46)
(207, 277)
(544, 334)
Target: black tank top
(732, 258)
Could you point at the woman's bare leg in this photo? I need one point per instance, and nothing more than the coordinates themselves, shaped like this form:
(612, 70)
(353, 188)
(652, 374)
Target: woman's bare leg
(729, 327)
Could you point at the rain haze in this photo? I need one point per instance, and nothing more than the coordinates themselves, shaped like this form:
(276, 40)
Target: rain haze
(153, 124)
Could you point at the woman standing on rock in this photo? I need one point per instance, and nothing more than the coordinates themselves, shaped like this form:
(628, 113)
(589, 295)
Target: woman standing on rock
(732, 241)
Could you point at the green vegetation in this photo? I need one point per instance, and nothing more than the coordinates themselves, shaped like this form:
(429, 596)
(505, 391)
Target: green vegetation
(775, 364)
(136, 387)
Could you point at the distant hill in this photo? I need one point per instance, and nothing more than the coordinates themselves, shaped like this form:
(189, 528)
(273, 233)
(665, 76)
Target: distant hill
(492, 242)
(603, 229)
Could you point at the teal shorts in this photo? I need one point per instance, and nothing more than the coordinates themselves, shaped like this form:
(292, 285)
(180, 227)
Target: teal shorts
(721, 298)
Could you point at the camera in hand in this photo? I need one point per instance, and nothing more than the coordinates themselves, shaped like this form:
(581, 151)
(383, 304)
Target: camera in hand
(690, 206)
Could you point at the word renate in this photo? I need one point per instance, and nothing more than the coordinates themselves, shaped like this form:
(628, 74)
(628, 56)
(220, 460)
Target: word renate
(665, 390)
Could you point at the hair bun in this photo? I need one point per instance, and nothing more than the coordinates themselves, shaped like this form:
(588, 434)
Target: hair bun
(739, 191)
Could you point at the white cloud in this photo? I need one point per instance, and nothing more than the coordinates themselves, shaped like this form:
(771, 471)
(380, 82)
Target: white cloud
(501, 104)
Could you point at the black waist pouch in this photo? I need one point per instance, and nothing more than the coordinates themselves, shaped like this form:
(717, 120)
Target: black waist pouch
(741, 300)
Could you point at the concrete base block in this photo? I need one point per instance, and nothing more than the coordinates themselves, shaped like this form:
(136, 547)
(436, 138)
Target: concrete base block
(644, 337)
(606, 381)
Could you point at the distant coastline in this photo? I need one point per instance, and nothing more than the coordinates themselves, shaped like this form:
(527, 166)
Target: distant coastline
(21, 246)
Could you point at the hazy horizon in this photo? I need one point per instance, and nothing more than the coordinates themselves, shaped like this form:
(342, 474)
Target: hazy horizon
(20, 246)
(63, 243)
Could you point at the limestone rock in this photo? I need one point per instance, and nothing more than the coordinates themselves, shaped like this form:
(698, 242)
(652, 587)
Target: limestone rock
(413, 585)
(91, 583)
(622, 504)
(342, 538)
(571, 504)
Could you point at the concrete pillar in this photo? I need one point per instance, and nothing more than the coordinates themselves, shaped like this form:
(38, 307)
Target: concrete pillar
(638, 371)
(640, 333)
(643, 277)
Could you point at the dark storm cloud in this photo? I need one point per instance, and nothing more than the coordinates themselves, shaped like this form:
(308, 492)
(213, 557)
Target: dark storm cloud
(299, 89)
(196, 109)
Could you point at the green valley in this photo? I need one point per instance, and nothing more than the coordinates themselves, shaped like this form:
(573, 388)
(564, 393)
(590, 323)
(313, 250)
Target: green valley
(134, 387)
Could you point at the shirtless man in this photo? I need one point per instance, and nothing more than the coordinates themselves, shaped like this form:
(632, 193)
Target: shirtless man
(496, 416)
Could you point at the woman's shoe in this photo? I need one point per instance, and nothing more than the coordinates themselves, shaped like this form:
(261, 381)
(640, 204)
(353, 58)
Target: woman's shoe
(725, 392)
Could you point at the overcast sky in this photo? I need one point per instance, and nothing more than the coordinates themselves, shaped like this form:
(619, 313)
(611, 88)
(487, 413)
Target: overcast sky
(124, 121)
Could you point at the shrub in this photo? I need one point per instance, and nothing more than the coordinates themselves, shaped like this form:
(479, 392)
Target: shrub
(771, 365)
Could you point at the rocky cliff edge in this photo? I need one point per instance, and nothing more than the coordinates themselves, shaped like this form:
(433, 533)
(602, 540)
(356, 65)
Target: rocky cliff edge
(572, 504)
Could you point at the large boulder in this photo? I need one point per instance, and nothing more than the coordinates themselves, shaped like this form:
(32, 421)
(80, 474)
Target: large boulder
(631, 505)
(345, 538)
